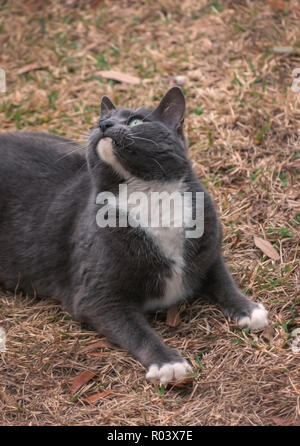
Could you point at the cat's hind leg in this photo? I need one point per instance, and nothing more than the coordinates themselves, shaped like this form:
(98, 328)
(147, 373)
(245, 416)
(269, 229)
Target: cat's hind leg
(221, 289)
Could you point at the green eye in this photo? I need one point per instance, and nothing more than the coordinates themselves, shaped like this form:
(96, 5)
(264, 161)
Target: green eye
(135, 121)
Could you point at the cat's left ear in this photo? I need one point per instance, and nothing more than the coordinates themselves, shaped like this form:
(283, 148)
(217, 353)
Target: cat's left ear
(106, 106)
(171, 109)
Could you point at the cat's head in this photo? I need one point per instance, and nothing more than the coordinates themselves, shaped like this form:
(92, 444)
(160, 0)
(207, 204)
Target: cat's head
(146, 144)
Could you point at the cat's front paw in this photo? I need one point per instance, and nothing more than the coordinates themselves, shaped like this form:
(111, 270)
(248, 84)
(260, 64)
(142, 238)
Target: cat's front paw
(168, 372)
(257, 319)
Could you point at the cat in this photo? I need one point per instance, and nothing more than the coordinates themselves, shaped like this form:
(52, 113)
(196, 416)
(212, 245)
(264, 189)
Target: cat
(51, 242)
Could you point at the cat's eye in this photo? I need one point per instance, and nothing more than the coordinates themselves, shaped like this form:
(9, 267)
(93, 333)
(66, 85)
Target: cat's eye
(135, 121)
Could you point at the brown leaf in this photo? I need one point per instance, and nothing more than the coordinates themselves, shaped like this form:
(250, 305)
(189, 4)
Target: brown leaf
(98, 396)
(173, 316)
(206, 45)
(278, 4)
(183, 382)
(80, 380)
(283, 50)
(268, 333)
(120, 77)
(95, 345)
(31, 67)
(266, 247)
(35, 5)
(279, 421)
(8, 399)
(95, 3)
(281, 5)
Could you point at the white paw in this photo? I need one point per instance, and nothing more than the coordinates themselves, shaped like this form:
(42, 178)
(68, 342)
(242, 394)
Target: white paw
(257, 320)
(172, 371)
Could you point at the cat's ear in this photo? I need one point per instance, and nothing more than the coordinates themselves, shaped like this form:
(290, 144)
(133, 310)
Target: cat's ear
(171, 108)
(106, 106)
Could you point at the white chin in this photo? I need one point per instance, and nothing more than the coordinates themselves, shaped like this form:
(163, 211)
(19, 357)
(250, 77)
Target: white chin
(105, 150)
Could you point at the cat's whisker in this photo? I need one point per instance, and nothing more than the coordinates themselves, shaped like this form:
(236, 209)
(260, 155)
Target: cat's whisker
(84, 136)
(179, 157)
(84, 164)
(68, 143)
(175, 155)
(145, 139)
(132, 142)
(155, 160)
(158, 163)
(72, 151)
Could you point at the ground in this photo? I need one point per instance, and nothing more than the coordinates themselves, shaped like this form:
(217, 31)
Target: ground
(234, 61)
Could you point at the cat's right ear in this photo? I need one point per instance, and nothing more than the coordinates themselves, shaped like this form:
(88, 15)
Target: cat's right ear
(171, 109)
(106, 106)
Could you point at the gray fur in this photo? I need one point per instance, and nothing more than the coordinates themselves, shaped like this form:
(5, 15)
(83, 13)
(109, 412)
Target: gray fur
(51, 245)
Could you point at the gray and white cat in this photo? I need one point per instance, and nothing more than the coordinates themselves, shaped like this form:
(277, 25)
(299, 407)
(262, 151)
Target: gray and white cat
(108, 277)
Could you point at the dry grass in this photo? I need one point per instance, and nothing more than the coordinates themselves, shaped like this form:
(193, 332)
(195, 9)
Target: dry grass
(243, 126)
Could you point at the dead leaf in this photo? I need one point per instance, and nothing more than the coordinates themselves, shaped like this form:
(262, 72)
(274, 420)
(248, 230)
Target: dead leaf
(279, 421)
(120, 77)
(268, 333)
(278, 4)
(35, 5)
(266, 247)
(173, 316)
(8, 399)
(95, 345)
(88, 48)
(31, 67)
(206, 45)
(281, 5)
(80, 380)
(283, 49)
(95, 3)
(182, 383)
(92, 399)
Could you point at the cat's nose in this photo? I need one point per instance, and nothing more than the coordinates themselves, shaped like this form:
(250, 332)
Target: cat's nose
(106, 124)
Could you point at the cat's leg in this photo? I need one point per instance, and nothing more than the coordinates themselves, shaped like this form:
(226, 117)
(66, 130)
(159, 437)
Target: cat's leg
(129, 329)
(220, 287)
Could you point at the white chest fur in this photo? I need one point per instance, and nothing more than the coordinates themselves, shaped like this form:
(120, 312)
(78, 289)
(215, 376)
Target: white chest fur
(169, 239)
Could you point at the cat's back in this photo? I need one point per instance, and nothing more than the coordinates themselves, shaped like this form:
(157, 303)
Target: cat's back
(33, 155)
